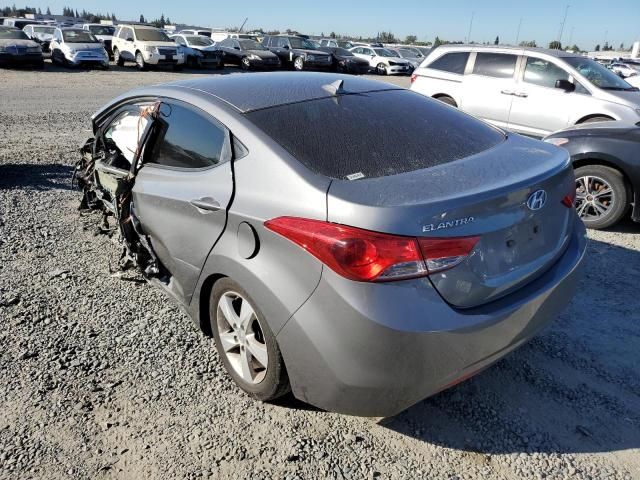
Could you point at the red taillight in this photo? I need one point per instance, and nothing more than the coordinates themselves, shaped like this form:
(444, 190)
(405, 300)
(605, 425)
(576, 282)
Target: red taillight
(413, 77)
(370, 256)
(569, 200)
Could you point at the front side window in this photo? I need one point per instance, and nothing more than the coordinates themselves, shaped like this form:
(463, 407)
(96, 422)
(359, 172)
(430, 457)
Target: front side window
(597, 74)
(454, 62)
(282, 42)
(186, 139)
(497, 65)
(543, 73)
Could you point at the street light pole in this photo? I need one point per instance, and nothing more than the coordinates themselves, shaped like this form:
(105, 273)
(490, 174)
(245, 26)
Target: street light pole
(470, 25)
(564, 20)
(518, 34)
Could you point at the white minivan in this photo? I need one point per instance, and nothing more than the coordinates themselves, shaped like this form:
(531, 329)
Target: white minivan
(145, 46)
(527, 90)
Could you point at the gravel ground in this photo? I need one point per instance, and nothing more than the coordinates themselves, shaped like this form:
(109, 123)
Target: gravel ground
(103, 377)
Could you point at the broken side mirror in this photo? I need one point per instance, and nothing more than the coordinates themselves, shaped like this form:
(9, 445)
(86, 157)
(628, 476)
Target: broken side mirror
(565, 85)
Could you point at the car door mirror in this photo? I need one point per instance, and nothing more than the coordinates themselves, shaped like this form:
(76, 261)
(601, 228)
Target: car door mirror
(129, 39)
(286, 47)
(565, 85)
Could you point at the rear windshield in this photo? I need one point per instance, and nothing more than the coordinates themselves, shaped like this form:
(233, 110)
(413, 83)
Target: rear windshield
(10, 34)
(374, 134)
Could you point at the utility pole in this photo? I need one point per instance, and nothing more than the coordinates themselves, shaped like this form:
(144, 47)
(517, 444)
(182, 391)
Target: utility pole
(470, 25)
(564, 20)
(518, 33)
(243, 23)
(571, 37)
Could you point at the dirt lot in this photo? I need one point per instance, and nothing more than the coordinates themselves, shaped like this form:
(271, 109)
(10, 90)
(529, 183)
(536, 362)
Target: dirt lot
(101, 377)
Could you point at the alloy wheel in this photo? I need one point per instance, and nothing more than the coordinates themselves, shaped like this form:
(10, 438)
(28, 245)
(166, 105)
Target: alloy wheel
(594, 197)
(245, 63)
(298, 63)
(241, 337)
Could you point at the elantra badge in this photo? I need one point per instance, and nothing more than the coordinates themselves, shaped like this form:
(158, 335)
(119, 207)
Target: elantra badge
(433, 227)
(537, 200)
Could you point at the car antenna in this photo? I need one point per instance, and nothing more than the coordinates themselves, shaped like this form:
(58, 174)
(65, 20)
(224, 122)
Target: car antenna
(335, 88)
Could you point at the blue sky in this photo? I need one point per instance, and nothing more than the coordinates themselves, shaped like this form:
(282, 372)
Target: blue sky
(588, 21)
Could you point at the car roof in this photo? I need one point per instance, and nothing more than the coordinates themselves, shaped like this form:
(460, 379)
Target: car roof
(491, 48)
(270, 89)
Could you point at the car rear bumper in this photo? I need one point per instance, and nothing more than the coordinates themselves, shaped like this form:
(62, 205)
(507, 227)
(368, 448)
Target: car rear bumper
(376, 349)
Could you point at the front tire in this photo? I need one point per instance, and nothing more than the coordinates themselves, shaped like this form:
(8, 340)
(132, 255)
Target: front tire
(447, 100)
(118, 58)
(140, 63)
(245, 64)
(381, 68)
(245, 343)
(298, 64)
(602, 197)
(597, 119)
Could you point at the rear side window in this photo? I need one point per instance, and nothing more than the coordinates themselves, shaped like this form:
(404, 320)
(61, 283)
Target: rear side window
(498, 65)
(186, 139)
(454, 62)
(374, 134)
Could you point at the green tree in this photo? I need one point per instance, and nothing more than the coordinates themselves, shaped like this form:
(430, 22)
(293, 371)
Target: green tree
(387, 37)
(528, 43)
(48, 11)
(597, 49)
(411, 39)
(142, 20)
(437, 42)
(333, 35)
(555, 45)
(496, 41)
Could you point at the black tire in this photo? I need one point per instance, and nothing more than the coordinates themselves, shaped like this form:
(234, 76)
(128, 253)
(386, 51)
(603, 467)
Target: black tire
(276, 381)
(245, 63)
(597, 119)
(448, 100)
(298, 63)
(381, 69)
(617, 203)
(118, 58)
(140, 63)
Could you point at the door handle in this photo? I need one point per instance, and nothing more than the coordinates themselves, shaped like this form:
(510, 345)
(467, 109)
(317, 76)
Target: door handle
(507, 92)
(521, 94)
(206, 203)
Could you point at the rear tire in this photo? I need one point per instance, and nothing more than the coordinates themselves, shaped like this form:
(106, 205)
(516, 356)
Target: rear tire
(118, 58)
(602, 197)
(448, 100)
(242, 338)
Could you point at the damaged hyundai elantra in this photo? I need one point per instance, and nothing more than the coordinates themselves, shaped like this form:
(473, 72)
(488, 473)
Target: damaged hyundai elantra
(351, 241)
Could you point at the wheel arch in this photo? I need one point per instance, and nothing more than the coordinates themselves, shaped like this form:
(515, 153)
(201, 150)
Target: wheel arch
(204, 320)
(438, 96)
(593, 115)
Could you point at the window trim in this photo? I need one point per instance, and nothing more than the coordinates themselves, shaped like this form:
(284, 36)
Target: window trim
(226, 155)
(514, 76)
(466, 65)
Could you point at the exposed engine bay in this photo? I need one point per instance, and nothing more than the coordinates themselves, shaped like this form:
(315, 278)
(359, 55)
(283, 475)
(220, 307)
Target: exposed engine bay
(106, 174)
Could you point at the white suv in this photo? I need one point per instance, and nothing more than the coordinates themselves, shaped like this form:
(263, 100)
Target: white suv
(145, 46)
(527, 90)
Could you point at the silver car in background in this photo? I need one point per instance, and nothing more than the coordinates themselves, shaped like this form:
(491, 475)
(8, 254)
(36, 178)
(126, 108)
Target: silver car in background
(279, 212)
(527, 90)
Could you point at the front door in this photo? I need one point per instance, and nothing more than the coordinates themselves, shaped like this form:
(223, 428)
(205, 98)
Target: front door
(183, 189)
(538, 107)
(487, 92)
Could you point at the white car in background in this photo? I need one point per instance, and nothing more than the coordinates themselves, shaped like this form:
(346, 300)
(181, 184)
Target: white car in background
(146, 46)
(385, 62)
(633, 80)
(623, 69)
(191, 31)
(43, 34)
(75, 46)
(199, 51)
(104, 33)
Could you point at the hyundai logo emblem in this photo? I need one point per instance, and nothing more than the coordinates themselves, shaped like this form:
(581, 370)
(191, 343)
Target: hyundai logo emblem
(537, 200)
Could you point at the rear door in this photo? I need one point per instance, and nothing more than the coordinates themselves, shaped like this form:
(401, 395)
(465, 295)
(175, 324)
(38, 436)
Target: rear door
(488, 89)
(183, 190)
(538, 107)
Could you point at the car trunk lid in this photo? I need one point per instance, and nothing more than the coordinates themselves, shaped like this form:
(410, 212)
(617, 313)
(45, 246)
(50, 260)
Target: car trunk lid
(483, 195)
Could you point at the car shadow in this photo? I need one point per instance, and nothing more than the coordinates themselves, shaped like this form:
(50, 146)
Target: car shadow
(625, 226)
(37, 176)
(575, 388)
